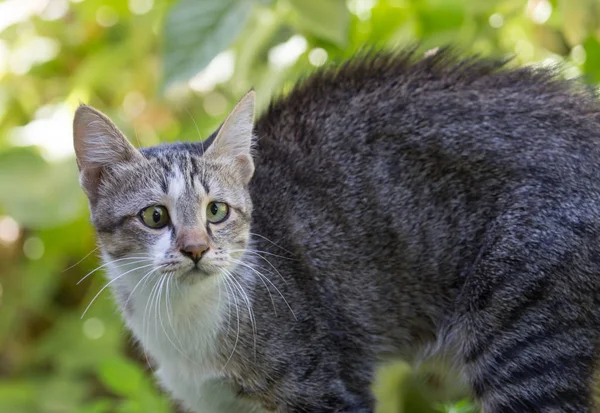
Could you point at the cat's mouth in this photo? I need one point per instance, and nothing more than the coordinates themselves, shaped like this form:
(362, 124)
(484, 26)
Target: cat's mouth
(197, 271)
(195, 275)
(190, 271)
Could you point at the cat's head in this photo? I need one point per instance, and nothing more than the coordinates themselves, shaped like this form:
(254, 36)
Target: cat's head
(178, 210)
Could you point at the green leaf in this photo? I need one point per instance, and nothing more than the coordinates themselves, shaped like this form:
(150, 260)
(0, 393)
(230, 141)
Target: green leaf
(38, 194)
(17, 396)
(196, 31)
(97, 406)
(327, 19)
(577, 19)
(592, 61)
(127, 379)
(61, 393)
(121, 376)
(432, 23)
(71, 350)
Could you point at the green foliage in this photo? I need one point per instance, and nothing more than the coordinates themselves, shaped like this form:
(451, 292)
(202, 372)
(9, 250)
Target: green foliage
(325, 19)
(218, 23)
(168, 70)
(22, 168)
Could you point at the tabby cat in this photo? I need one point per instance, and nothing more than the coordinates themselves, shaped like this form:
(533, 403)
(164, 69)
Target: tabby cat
(387, 206)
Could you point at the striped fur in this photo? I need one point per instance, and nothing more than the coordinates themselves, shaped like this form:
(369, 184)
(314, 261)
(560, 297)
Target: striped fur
(394, 206)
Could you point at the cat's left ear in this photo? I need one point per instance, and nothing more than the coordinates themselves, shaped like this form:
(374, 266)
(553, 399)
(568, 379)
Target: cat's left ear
(234, 140)
(98, 144)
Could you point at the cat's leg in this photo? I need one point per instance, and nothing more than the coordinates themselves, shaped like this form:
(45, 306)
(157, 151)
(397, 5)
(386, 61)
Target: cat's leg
(219, 396)
(208, 396)
(519, 380)
(320, 405)
(527, 377)
(529, 331)
(332, 395)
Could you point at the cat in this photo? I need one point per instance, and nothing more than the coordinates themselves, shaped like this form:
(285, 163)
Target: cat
(384, 206)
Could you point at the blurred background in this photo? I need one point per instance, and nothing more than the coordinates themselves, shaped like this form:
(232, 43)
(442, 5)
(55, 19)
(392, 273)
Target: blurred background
(159, 68)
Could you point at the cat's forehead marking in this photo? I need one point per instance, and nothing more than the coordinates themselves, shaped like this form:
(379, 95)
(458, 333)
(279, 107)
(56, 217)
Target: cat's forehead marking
(176, 184)
(185, 190)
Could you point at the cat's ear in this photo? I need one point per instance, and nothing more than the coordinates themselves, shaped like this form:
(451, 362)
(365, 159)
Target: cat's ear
(98, 143)
(234, 139)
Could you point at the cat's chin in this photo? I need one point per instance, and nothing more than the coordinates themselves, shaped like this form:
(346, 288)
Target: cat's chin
(195, 274)
(187, 272)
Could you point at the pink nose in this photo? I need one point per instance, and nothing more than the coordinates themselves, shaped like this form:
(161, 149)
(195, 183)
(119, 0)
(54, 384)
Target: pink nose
(194, 251)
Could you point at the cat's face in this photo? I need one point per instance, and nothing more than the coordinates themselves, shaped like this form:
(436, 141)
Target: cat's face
(190, 214)
(173, 210)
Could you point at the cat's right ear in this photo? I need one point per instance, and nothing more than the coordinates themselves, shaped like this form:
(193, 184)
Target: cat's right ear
(98, 143)
(234, 139)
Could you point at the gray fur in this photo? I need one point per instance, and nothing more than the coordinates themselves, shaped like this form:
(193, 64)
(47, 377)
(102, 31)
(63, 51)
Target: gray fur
(396, 204)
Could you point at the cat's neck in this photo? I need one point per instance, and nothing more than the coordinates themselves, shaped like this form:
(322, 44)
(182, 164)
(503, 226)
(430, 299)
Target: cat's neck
(187, 319)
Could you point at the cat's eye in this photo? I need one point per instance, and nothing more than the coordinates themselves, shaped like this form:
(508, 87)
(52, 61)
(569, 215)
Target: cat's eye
(155, 216)
(217, 212)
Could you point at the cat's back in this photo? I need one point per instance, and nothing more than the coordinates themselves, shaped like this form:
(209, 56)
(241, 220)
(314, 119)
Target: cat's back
(468, 110)
(395, 150)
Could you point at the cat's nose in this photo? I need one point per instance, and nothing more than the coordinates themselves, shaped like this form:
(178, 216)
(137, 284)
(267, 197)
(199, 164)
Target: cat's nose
(194, 251)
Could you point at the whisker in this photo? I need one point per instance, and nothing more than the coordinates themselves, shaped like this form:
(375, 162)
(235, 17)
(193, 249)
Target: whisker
(228, 302)
(268, 240)
(170, 280)
(112, 262)
(169, 318)
(159, 308)
(109, 283)
(158, 305)
(270, 295)
(219, 297)
(196, 125)
(238, 325)
(145, 277)
(266, 279)
(81, 260)
(146, 311)
(155, 301)
(257, 252)
(156, 309)
(248, 305)
(241, 289)
(143, 281)
(268, 262)
(160, 294)
(144, 330)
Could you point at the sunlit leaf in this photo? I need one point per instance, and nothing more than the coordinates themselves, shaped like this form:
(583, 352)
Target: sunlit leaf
(196, 31)
(62, 393)
(432, 23)
(17, 396)
(97, 406)
(327, 19)
(577, 19)
(36, 193)
(121, 376)
(592, 61)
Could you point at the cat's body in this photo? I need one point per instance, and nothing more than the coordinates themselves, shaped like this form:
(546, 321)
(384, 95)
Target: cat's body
(396, 205)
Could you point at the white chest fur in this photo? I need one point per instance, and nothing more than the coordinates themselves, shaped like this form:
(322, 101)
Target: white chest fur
(178, 328)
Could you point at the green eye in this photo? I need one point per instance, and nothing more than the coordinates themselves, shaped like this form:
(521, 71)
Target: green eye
(217, 212)
(155, 216)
